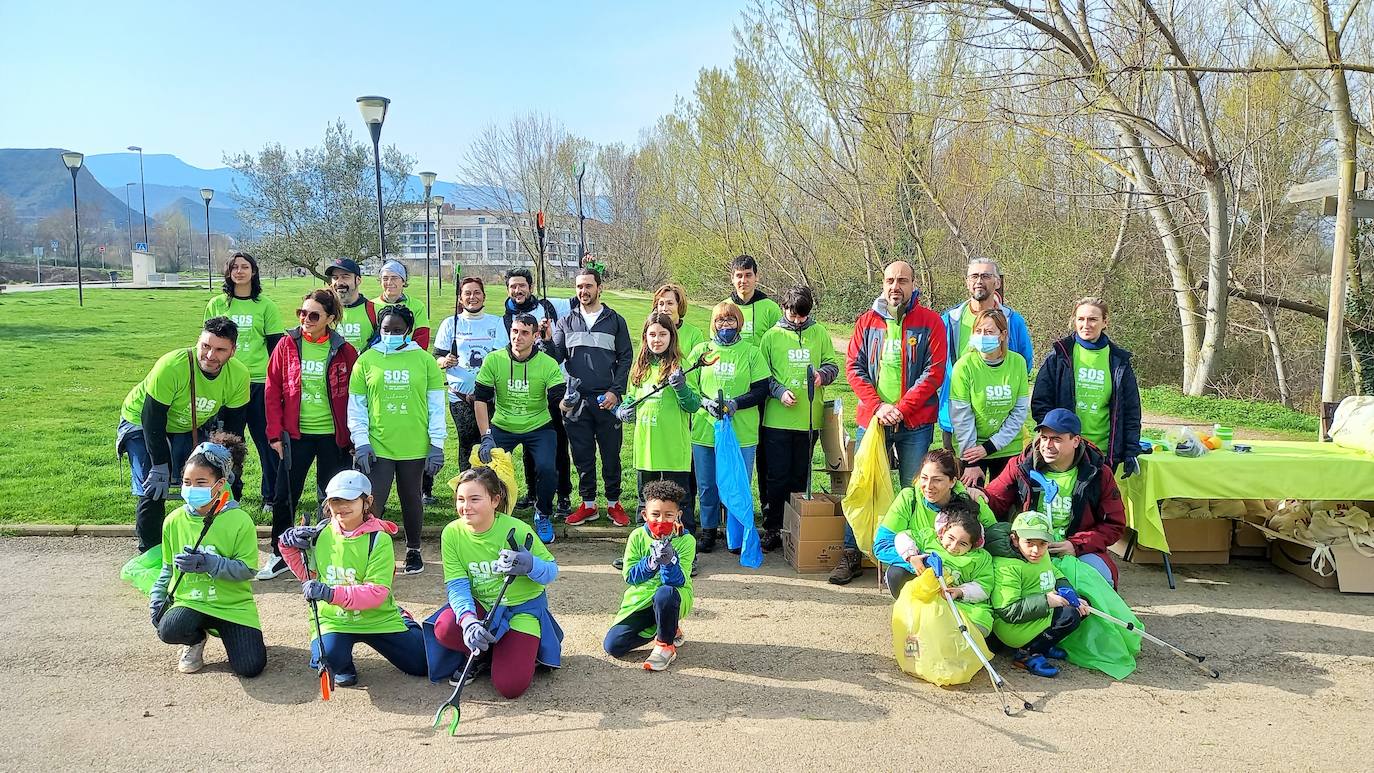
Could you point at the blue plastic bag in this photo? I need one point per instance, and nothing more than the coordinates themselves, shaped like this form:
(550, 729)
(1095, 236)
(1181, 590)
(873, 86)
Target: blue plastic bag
(732, 480)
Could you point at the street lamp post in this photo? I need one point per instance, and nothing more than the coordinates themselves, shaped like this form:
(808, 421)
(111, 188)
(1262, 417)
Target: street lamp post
(129, 219)
(427, 178)
(73, 161)
(207, 194)
(438, 237)
(142, 191)
(374, 113)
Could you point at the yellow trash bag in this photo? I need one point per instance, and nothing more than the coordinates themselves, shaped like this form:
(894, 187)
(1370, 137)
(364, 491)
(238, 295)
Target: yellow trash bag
(504, 465)
(870, 491)
(925, 635)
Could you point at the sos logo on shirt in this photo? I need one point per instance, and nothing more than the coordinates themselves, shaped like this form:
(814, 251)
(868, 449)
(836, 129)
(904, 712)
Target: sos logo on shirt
(396, 377)
(242, 320)
(798, 355)
(725, 369)
(1092, 376)
(351, 330)
(998, 391)
(1047, 581)
(517, 385)
(312, 368)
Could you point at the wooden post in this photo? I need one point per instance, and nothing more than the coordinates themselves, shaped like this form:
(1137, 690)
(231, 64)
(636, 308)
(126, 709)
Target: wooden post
(1340, 270)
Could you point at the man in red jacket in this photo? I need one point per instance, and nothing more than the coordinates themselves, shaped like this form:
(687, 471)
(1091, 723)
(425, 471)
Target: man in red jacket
(1068, 479)
(895, 365)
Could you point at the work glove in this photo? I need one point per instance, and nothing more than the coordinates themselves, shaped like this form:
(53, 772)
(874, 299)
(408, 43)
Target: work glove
(572, 396)
(476, 636)
(155, 608)
(314, 590)
(198, 562)
(717, 409)
(514, 563)
(664, 553)
(302, 537)
(677, 379)
(158, 481)
(1130, 466)
(363, 457)
(625, 413)
(434, 461)
(484, 450)
(933, 562)
(1070, 595)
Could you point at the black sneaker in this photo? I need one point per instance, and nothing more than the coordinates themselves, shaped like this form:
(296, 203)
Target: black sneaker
(696, 569)
(428, 500)
(524, 503)
(345, 680)
(482, 666)
(562, 509)
(772, 540)
(414, 564)
(619, 564)
(706, 541)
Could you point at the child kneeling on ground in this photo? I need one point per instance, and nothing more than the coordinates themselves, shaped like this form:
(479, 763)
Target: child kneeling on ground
(477, 562)
(658, 569)
(954, 549)
(209, 588)
(353, 569)
(1034, 606)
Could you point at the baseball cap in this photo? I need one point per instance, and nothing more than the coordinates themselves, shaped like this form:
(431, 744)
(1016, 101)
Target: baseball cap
(343, 264)
(397, 268)
(1062, 420)
(1030, 525)
(349, 484)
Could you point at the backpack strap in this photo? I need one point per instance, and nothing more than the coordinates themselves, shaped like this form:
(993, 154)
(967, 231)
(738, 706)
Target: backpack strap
(371, 543)
(371, 313)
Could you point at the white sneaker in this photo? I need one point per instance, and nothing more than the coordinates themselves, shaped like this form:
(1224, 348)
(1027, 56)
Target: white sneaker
(662, 657)
(275, 567)
(192, 658)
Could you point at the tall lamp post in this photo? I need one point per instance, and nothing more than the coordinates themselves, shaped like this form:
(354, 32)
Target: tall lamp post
(427, 178)
(73, 161)
(438, 237)
(142, 190)
(374, 113)
(207, 194)
(129, 218)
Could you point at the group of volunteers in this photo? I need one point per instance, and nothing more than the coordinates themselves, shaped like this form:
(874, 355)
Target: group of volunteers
(359, 389)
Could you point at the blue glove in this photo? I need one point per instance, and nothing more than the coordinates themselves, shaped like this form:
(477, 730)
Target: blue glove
(158, 481)
(933, 561)
(1070, 595)
(514, 563)
(314, 590)
(677, 379)
(476, 636)
(363, 457)
(434, 461)
(484, 450)
(625, 413)
(1129, 467)
(302, 537)
(198, 562)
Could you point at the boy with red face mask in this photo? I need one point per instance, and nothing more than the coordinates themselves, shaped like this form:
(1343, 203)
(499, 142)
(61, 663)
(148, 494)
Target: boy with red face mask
(658, 569)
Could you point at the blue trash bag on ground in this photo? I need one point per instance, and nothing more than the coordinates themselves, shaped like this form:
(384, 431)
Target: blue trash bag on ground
(732, 480)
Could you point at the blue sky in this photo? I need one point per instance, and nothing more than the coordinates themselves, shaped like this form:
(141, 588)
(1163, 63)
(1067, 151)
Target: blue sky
(197, 79)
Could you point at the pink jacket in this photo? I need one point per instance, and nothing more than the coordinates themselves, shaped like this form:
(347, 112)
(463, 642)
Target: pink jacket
(368, 595)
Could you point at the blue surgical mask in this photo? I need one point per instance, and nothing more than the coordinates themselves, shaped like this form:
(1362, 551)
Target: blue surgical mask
(197, 496)
(727, 336)
(393, 342)
(984, 343)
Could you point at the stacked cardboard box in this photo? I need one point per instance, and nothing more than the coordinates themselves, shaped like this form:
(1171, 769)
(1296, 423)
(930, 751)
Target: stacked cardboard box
(1191, 541)
(812, 532)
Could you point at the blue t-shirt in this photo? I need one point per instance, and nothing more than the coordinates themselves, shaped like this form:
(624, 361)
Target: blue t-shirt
(475, 339)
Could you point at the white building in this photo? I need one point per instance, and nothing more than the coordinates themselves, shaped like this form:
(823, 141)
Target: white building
(485, 242)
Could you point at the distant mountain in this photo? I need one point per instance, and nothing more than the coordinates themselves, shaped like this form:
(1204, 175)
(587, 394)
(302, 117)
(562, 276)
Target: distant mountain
(40, 185)
(222, 219)
(115, 169)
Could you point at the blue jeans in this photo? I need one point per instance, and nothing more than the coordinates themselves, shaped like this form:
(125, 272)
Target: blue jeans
(708, 496)
(1097, 563)
(662, 615)
(910, 447)
(404, 649)
(540, 444)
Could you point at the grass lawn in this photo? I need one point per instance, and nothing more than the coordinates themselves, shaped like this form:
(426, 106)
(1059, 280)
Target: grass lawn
(67, 370)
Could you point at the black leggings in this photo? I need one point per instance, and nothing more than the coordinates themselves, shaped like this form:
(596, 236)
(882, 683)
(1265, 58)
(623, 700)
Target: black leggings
(409, 476)
(329, 460)
(789, 457)
(465, 422)
(267, 459)
(243, 644)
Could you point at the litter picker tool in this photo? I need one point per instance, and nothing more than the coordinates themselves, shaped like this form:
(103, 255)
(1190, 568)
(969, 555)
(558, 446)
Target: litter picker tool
(810, 423)
(539, 233)
(999, 685)
(452, 701)
(325, 674)
(707, 358)
(1193, 660)
(204, 529)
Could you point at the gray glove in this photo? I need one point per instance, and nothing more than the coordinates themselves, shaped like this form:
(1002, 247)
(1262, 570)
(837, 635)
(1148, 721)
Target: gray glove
(664, 553)
(1130, 466)
(155, 608)
(677, 379)
(484, 450)
(363, 457)
(515, 563)
(302, 537)
(716, 409)
(434, 461)
(314, 590)
(625, 413)
(572, 396)
(198, 562)
(476, 636)
(158, 481)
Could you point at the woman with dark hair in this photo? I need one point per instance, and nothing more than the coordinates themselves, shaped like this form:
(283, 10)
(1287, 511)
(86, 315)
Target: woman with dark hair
(918, 506)
(260, 328)
(307, 407)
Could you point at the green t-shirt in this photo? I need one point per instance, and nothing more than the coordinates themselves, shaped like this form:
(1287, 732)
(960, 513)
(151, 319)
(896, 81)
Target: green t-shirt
(397, 387)
(740, 365)
(409, 301)
(992, 391)
(341, 560)
(890, 364)
(973, 566)
(1060, 510)
(640, 596)
(662, 427)
(356, 326)
(1013, 580)
(256, 320)
(759, 317)
(1092, 391)
(469, 554)
(787, 353)
(688, 337)
(522, 389)
(966, 319)
(911, 512)
(231, 535)
(169, 383)
(316, 418)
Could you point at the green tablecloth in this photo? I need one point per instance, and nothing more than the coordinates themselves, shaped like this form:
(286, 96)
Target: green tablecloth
(1275, 469)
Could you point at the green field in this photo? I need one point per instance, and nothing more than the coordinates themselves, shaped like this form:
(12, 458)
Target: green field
(67, 370)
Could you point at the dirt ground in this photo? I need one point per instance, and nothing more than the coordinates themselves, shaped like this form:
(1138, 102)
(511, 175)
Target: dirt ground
(780, 672)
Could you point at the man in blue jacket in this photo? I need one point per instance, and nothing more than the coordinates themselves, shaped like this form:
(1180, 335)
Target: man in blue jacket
(984, 282)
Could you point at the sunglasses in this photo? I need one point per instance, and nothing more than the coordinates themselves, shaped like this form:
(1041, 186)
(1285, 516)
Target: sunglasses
(308, 316)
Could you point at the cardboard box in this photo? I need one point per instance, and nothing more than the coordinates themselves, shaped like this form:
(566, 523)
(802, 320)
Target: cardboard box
(1296, 559)
(838, 449)
(814, 528)
(1354, 572)
(1247, 541)
(813, 555)
(839, 483)
(820, 504)
(1191, 541)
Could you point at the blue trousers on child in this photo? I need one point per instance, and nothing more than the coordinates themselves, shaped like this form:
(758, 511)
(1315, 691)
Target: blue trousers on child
(662, 614)
(404, 649)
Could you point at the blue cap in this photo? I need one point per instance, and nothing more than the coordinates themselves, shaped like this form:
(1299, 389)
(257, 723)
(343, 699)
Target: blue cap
(1062, 420)
(344, 264)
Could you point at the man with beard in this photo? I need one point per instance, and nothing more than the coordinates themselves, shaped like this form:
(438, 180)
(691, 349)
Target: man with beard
(594, 347)
(359, 323)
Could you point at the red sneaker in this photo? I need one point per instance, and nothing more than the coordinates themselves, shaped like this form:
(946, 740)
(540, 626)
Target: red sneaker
(583, 514)
(617, 515)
